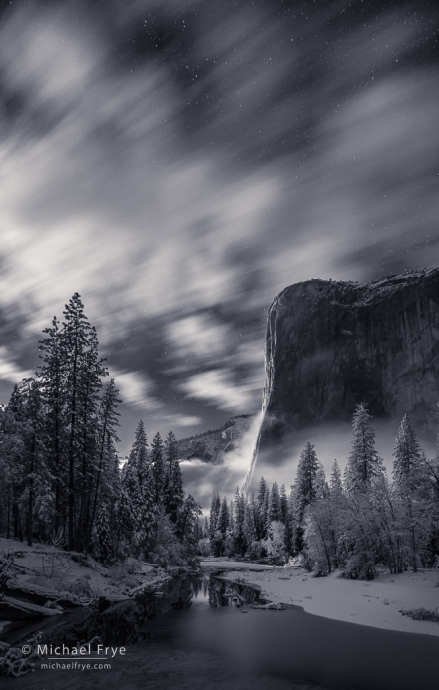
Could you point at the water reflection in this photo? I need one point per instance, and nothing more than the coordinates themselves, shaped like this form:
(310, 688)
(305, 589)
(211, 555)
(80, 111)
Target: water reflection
(126, 621)
(222, 592)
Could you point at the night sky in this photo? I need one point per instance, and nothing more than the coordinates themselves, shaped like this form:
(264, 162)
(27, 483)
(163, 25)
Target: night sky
(179, 163)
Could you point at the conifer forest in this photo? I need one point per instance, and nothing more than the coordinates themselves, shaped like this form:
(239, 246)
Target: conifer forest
(60, 477)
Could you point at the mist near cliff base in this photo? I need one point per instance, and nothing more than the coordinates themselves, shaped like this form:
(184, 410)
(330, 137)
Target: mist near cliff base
(331, 441)
(279, 463)
(200, 478)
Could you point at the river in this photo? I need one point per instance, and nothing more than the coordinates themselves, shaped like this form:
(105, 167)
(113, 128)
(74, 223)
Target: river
(199, 640)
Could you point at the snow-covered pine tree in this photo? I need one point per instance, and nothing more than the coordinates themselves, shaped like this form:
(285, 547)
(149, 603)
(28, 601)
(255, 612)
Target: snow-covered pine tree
(92, 371)
(139, 483)
(34, 451)
(107, 423)
(52, 377)
(262, 505)
(305, 489)
(285, 518)
(215, 508)
(250, 520)
(83, 371)
(238, 526)
(413, 501)
(224, 517)
(364, 464)
(188, 515)
(407, 453)
(158, 466)
(335, 483)
(283, 504)
(274, 507)
(322, 488)
(306, 479)
(101, 540)
(292, 523)
(12, 450)
(173, 494)
(125, 514)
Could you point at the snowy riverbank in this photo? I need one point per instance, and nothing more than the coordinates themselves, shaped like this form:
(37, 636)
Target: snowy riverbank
(376, 603)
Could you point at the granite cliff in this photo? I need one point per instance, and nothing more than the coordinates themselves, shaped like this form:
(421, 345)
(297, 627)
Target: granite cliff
(331, 345)
(211, 446)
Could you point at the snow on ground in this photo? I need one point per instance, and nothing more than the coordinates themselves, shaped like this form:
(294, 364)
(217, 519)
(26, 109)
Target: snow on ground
(48, 566)
(376, 603)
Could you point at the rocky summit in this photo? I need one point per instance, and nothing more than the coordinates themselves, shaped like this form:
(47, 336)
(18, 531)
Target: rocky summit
(331, 345)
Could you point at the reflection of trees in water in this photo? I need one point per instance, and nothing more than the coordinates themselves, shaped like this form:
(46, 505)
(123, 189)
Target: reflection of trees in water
(225, 593)
(197, 585)
(178, 594)
(123, 622)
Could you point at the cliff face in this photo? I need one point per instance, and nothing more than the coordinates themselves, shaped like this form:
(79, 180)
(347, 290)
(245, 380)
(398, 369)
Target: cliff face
(213, 445)
(331, 345)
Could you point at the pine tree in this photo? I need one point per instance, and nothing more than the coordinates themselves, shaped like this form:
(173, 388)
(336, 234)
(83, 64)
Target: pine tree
(407, 454)
(158, 466)
(262, 504)
(34, 451)
(285, 518)
(322, 488)
(238, 526)
(82, 380)
(250, 521)
(91, 372)
(307, 472)
(139, 483)
(12, 450)
(187, 519)
(106, 436)
(274, 507)
(101, 542)
(224, 517)
(335, 483)
(52, 376)
(283, 504)
(409, 481)
(173, 494)
(215, 508)
(305, 489)
(364, 464)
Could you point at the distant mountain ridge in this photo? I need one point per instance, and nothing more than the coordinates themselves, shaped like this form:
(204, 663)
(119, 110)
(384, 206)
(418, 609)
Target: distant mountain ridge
(212, 445)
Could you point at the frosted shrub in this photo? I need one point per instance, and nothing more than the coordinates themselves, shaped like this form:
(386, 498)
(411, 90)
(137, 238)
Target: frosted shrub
(276, 542)
(204, 547)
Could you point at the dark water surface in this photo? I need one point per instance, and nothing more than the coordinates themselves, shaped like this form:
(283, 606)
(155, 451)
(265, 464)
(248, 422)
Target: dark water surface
(199, 641)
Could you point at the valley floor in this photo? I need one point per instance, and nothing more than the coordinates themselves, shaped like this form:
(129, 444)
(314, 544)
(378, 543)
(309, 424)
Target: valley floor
(376, 603)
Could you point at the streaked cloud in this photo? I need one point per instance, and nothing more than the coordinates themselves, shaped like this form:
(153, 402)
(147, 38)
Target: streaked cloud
(10, 370)
(217, 387)
(135, 389)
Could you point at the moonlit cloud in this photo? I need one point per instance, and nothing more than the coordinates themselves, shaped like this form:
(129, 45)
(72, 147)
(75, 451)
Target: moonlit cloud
(135, 389)
(196, 336)
(217, 387)
(9, 371)
(184, 421)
